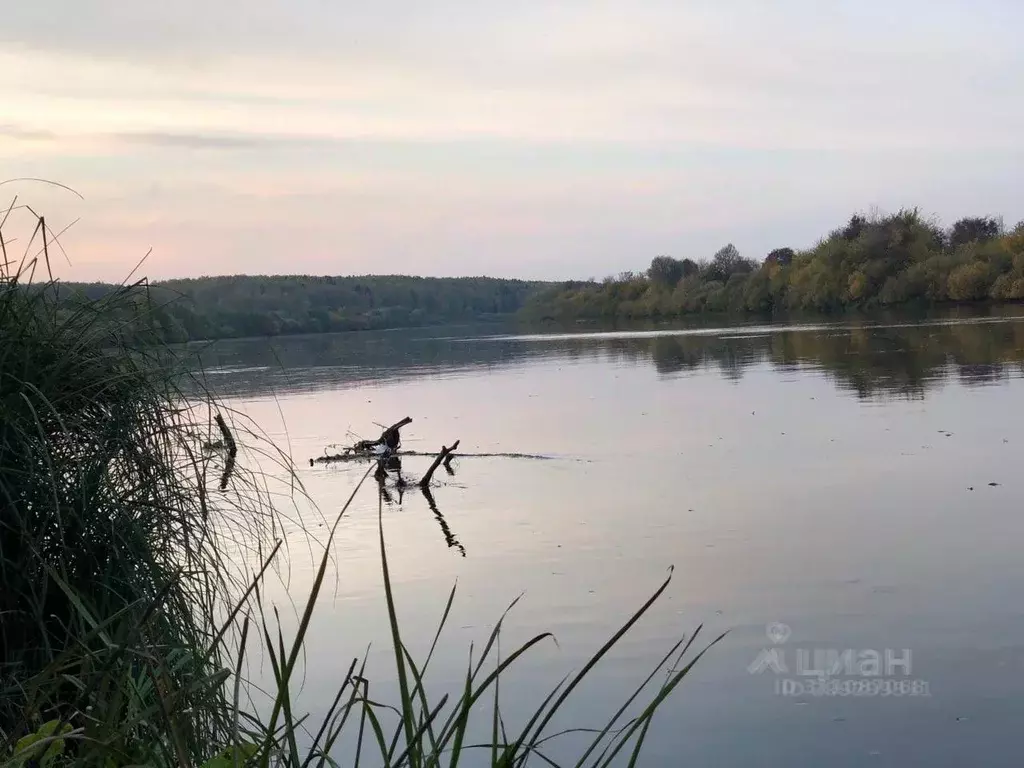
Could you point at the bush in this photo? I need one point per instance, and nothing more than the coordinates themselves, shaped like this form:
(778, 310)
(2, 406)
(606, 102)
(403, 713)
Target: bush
(969, 282)
(1008, 288)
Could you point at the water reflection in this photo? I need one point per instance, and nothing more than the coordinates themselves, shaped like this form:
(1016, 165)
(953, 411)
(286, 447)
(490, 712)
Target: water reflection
(393, 492)
(869, 361)
(864, 359)
(450, 539)
(835, 518)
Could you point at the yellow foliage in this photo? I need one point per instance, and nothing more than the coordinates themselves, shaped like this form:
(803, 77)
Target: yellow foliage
(857, 285)
(968, 282)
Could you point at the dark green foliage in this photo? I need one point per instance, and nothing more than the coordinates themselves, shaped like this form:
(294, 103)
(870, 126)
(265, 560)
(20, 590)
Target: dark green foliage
(240, 306)
(978, 229)
(869, 262)
(666, 271)
(726, 263)
(783, 257)
(853, 229)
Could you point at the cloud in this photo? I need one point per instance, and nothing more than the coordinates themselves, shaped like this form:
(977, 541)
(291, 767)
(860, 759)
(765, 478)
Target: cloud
(575, 136)
(194, 140)
(21, 133)
(792, 74)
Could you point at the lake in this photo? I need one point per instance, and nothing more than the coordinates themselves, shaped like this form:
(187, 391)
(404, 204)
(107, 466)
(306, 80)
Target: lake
(826, 493)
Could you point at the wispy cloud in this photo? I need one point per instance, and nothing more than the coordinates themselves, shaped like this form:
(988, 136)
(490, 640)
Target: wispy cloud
(20, 133)
(194, 140)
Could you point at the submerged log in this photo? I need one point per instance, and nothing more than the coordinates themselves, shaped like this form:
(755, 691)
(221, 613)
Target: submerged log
(444, 454)
(348, 456)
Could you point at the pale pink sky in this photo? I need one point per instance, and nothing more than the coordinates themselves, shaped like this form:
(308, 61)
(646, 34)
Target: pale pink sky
(530, 139)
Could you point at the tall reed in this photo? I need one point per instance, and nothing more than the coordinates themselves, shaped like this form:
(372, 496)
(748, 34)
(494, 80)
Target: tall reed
(115, 548)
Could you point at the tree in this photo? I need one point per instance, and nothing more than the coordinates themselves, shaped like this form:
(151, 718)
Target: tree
(727, 262)
(974, 229)
(665, 270)
(781, 256)
(855, 227)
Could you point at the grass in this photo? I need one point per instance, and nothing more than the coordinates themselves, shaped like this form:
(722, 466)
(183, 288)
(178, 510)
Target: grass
(115, 554)
(128, 615)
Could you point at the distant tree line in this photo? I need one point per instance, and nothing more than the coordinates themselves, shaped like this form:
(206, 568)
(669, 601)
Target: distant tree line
(241, 306)
(874, 261)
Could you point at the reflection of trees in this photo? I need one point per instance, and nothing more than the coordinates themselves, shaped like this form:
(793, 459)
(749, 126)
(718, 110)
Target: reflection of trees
(731, 355)
(672, 354)
(867, 359)
(332, 360)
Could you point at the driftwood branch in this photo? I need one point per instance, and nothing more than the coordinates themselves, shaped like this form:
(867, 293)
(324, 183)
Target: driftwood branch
(442, 456)
(389, 437)
(391, 433)
(448, 462)
(232, 451)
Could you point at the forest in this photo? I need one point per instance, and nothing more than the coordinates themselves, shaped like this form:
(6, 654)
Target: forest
(870, 262)
(243, 306)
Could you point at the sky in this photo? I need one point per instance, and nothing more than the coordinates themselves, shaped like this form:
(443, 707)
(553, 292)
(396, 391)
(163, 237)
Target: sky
(547, 139)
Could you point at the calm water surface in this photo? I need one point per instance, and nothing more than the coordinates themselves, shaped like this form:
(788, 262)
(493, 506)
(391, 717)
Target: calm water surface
(859, 484)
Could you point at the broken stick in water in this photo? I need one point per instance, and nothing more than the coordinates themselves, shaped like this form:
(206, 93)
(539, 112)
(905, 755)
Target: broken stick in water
(444, 454)
(448, 461)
